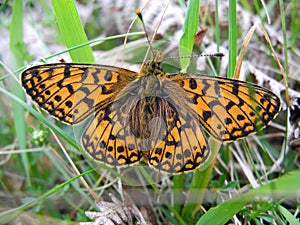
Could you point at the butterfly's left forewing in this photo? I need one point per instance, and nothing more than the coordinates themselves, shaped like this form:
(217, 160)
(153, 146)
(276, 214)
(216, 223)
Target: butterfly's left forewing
(71, 92)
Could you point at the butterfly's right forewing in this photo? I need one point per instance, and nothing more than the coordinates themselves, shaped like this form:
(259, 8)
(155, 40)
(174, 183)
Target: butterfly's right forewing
(229, 109)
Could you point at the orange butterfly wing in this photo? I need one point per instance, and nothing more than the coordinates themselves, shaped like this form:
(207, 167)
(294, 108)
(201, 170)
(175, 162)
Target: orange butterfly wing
(229, 109)
(108, 138)
(184, 146)
(71, 92)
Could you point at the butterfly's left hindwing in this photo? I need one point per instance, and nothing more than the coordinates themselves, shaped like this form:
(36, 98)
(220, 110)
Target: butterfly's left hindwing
(108, 138)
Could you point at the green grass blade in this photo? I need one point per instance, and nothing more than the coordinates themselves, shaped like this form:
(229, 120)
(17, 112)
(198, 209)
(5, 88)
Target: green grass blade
(200, 182)
(289, 217)
(295, 24)
(190, 27)
(16, 46)
(178, 192)
(286, 60)
(287, 185)
(217, 35)
(72, 30)
(232, 30)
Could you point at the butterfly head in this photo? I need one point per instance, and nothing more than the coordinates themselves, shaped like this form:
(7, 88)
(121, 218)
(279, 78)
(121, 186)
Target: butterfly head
(153, 67)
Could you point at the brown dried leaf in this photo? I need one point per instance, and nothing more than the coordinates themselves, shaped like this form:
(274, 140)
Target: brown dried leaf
(115, 212)
(199, 37)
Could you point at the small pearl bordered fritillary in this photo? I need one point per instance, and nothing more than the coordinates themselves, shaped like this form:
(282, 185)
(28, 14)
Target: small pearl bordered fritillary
(149, 114)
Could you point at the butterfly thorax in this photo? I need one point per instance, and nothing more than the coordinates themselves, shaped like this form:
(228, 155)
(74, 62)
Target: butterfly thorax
(152, 69)
(148, 120)
(146, 114)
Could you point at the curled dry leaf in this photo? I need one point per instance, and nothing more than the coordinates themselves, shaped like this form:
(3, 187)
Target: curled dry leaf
(115, 212)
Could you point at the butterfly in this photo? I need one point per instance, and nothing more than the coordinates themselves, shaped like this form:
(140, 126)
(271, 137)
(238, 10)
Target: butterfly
(150, 114)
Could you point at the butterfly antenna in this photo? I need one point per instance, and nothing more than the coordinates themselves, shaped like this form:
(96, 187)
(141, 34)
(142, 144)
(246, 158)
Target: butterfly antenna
(139, 14)
(218, 55)
(129, 28)
(154, 54)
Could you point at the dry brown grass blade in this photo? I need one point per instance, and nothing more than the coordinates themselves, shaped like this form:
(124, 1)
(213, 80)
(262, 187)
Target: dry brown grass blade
(244, 46)
(278, 63)
(246, 41)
